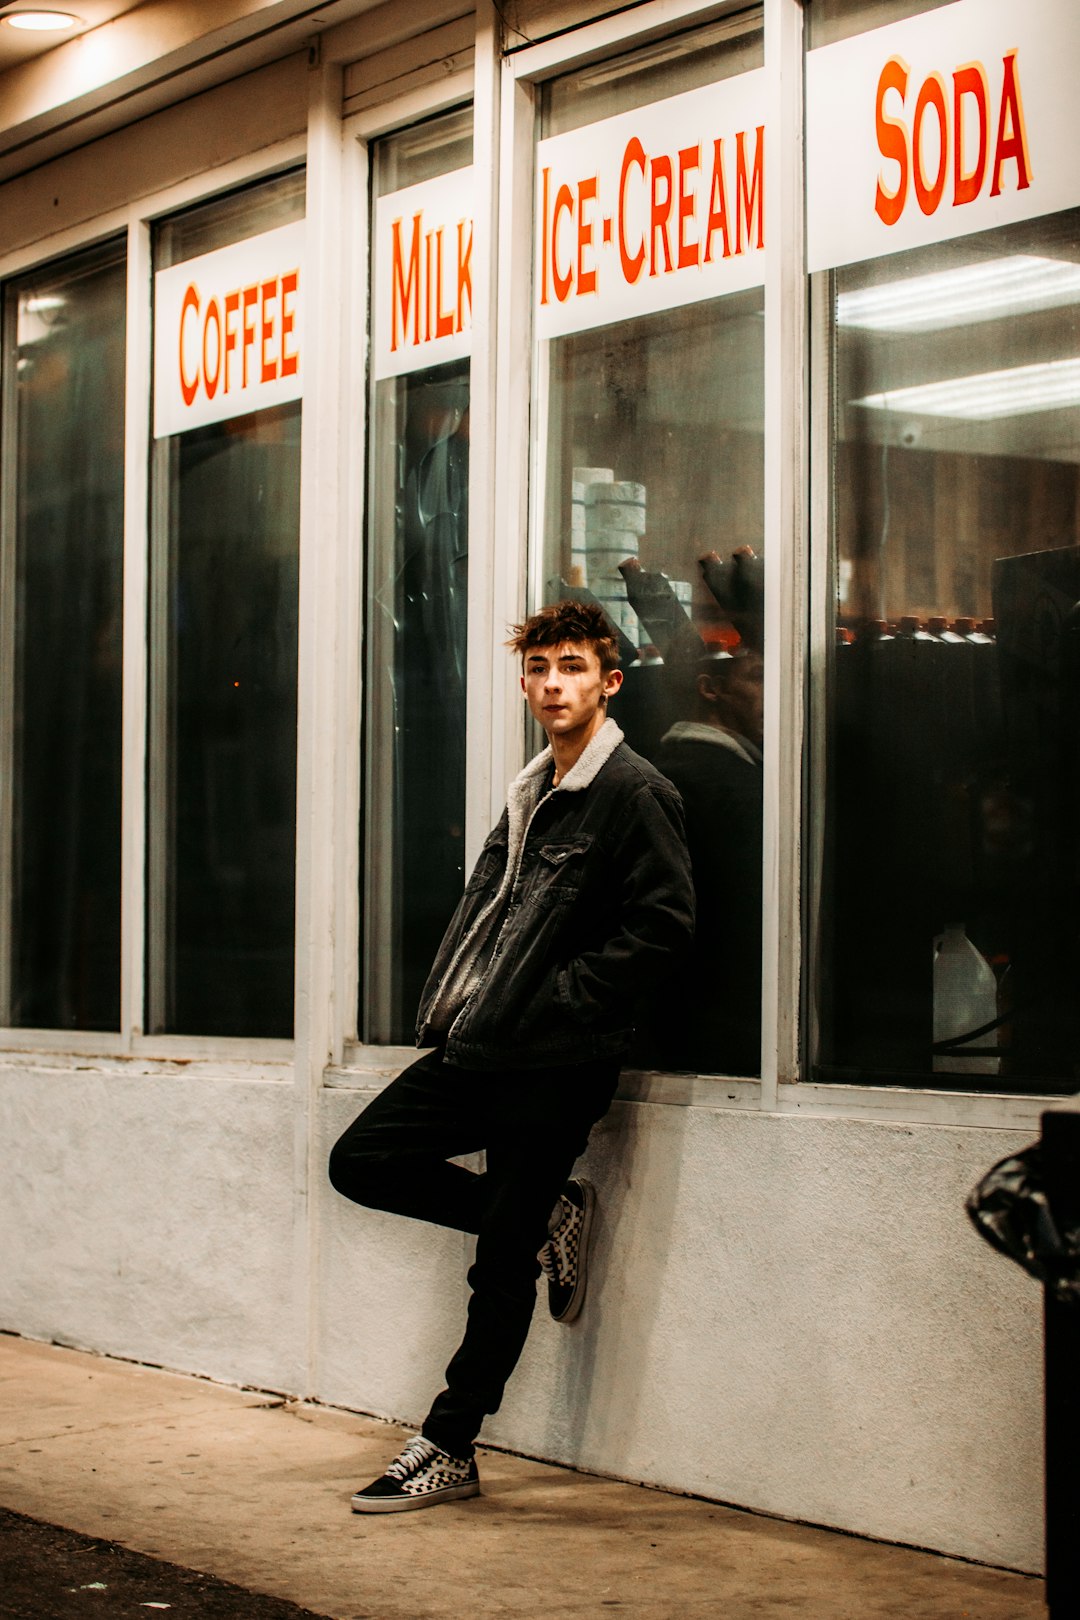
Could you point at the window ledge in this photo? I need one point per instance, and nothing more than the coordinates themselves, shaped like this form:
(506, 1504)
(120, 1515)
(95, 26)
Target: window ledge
(896, 1104)
(369, 1068)
(53, 1051)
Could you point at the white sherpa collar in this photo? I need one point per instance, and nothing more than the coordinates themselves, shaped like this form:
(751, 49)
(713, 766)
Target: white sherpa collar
(699, 731)
(527, 787)
(525, 794)
(598, 751)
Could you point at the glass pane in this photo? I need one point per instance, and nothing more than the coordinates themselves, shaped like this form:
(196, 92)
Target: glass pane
(664, 68)
(61, 628)
(224, 586)
(830, 20)
(241, 215)
(953, 779)
(415, 655)
(424, 152)
(652, 503)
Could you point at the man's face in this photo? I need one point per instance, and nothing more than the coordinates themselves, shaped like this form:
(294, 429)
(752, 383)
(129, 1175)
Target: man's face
(565, 688)
(736, 700)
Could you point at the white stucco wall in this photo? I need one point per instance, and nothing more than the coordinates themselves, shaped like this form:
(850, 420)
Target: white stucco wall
(787, 1313)
(150, 1215)
(794, 1315)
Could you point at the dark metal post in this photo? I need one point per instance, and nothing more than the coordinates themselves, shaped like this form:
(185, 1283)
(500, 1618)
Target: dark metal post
(1061, 1163)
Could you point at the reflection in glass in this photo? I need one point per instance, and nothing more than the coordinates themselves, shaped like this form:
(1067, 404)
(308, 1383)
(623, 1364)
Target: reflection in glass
(665, 67)
(415, 653)
(653, 505)
(949, 943)
(416, 675)
(224, 587)
(830, 20)
(61, 603)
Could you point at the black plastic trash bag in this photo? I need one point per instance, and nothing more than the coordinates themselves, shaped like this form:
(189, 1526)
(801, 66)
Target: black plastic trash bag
(1011, 1210)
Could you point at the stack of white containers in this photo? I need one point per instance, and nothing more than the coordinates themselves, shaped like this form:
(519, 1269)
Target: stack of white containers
(608, 521)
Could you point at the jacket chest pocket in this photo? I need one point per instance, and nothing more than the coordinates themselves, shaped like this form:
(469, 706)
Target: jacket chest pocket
(490, 864)
(557, 870)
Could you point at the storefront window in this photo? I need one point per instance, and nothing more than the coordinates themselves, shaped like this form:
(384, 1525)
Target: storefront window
(649, 486)
(950, 952)
(61, 603)
(223, 637)
(417, 563)
(830, 20)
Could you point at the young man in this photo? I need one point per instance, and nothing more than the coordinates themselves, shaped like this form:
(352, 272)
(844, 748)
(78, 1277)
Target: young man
(579, 902)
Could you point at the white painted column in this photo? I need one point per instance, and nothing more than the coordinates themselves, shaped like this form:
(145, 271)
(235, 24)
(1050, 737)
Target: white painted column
(514, 370)
(137, 366)
(327, 754)
(485, 781)
(785, 546)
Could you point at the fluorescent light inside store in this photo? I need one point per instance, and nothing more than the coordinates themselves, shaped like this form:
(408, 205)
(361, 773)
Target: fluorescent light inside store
(1051, 385)
(1016, 285)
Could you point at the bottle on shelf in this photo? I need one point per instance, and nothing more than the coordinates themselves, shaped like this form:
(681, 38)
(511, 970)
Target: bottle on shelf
(944, 632)
(646, 656)
(874, 630)
(912, 628)
(738, 588)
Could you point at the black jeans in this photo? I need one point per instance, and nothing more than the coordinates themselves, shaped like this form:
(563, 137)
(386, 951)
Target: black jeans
(533, 1124)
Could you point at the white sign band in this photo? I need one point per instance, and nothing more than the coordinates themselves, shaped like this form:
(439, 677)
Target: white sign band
(421, 304)
(952, 122)
(657, 207)
(228, 331)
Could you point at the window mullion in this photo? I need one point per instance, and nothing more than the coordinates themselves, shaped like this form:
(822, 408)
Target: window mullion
(136, 567)
(483, 626)
(785, 481)
(8, 445)
(514, 367)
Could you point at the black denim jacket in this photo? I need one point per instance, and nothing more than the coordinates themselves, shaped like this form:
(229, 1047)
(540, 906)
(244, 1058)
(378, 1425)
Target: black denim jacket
(602, 906)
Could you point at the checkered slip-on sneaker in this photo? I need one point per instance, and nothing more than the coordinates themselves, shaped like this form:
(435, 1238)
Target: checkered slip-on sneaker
(564, 1257)
(419, 1477)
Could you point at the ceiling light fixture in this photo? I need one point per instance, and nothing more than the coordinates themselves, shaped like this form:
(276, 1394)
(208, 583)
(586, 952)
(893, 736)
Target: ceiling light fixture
(1016, 285)
(40, 22)
(1017, 391)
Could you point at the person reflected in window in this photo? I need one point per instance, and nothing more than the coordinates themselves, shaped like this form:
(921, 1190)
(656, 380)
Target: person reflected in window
(580, 902)
(714, 759)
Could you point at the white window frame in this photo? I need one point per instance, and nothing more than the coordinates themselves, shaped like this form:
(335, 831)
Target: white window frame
(330, 695)
(524, 73)
(402, 112)
(788, 644)
(404, 107)
(135, 221)
(900, 1104)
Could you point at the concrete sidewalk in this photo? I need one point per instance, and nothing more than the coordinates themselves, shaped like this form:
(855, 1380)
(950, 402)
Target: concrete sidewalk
(255, 1490)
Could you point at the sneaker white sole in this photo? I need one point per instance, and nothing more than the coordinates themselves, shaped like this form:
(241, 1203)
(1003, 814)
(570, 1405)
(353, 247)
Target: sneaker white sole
(572, 1308)
(408, 1504)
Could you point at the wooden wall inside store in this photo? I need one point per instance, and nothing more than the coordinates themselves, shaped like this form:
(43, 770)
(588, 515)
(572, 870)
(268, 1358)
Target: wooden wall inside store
(922, 528)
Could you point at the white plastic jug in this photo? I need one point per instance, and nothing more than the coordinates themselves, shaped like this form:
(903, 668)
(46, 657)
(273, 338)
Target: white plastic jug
(965, 998)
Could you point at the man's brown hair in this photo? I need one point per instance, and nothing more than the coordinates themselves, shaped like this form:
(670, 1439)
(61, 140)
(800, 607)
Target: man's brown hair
(584, 622)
